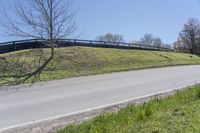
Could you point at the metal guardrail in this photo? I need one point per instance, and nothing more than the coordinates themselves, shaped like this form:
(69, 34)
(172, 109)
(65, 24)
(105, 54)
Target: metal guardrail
(11, 46)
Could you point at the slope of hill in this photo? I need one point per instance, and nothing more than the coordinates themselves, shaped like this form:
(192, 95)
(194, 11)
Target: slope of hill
(81, 61)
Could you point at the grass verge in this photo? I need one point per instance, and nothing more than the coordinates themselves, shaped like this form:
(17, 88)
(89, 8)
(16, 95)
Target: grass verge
(176, 114)
(82, 61)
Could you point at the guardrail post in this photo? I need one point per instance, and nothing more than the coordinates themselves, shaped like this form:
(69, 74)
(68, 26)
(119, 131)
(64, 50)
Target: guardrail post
(14, 46)
(27, 45)
(8, 50)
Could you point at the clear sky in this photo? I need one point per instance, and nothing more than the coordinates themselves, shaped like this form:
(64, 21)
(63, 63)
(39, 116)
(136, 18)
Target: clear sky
(133, 18)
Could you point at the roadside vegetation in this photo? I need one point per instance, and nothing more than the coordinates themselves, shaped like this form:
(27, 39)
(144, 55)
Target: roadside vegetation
(175, 114)
(82, 61)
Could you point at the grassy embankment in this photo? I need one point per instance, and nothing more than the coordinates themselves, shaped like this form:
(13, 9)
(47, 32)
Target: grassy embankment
(176, 114)
(81, 61)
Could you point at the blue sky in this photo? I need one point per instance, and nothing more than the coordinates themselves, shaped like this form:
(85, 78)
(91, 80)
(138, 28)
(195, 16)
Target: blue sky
(133, 18)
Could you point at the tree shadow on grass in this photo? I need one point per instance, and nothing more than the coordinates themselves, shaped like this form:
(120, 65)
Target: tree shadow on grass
(23, 67)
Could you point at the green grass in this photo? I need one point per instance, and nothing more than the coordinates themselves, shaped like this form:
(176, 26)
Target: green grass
(176, 114)
(81, 61)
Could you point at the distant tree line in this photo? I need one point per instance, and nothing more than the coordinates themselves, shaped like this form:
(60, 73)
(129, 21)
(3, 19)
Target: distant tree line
(110, 37)
(147, 39)
(189, 38)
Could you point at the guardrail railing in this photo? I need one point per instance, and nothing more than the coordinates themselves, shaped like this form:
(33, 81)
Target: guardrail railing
(11, 46)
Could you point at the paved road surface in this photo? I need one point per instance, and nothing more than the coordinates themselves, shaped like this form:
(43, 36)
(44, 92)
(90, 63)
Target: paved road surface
(44, 100)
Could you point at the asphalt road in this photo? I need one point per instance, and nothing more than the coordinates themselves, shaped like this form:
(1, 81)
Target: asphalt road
(44, 100)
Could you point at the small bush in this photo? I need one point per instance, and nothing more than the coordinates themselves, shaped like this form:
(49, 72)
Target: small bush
(145, 112)
(148, 111)
(141, 115)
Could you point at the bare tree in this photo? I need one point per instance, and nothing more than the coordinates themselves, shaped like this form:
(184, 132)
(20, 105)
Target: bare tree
(157, 42)
(169, 46)
(147, 39)
(48, 20)
(189, 37)
(181, 46)
(110, 37)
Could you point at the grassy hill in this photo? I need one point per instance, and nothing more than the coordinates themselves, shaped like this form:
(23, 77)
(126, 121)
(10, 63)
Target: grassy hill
(81, 61)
